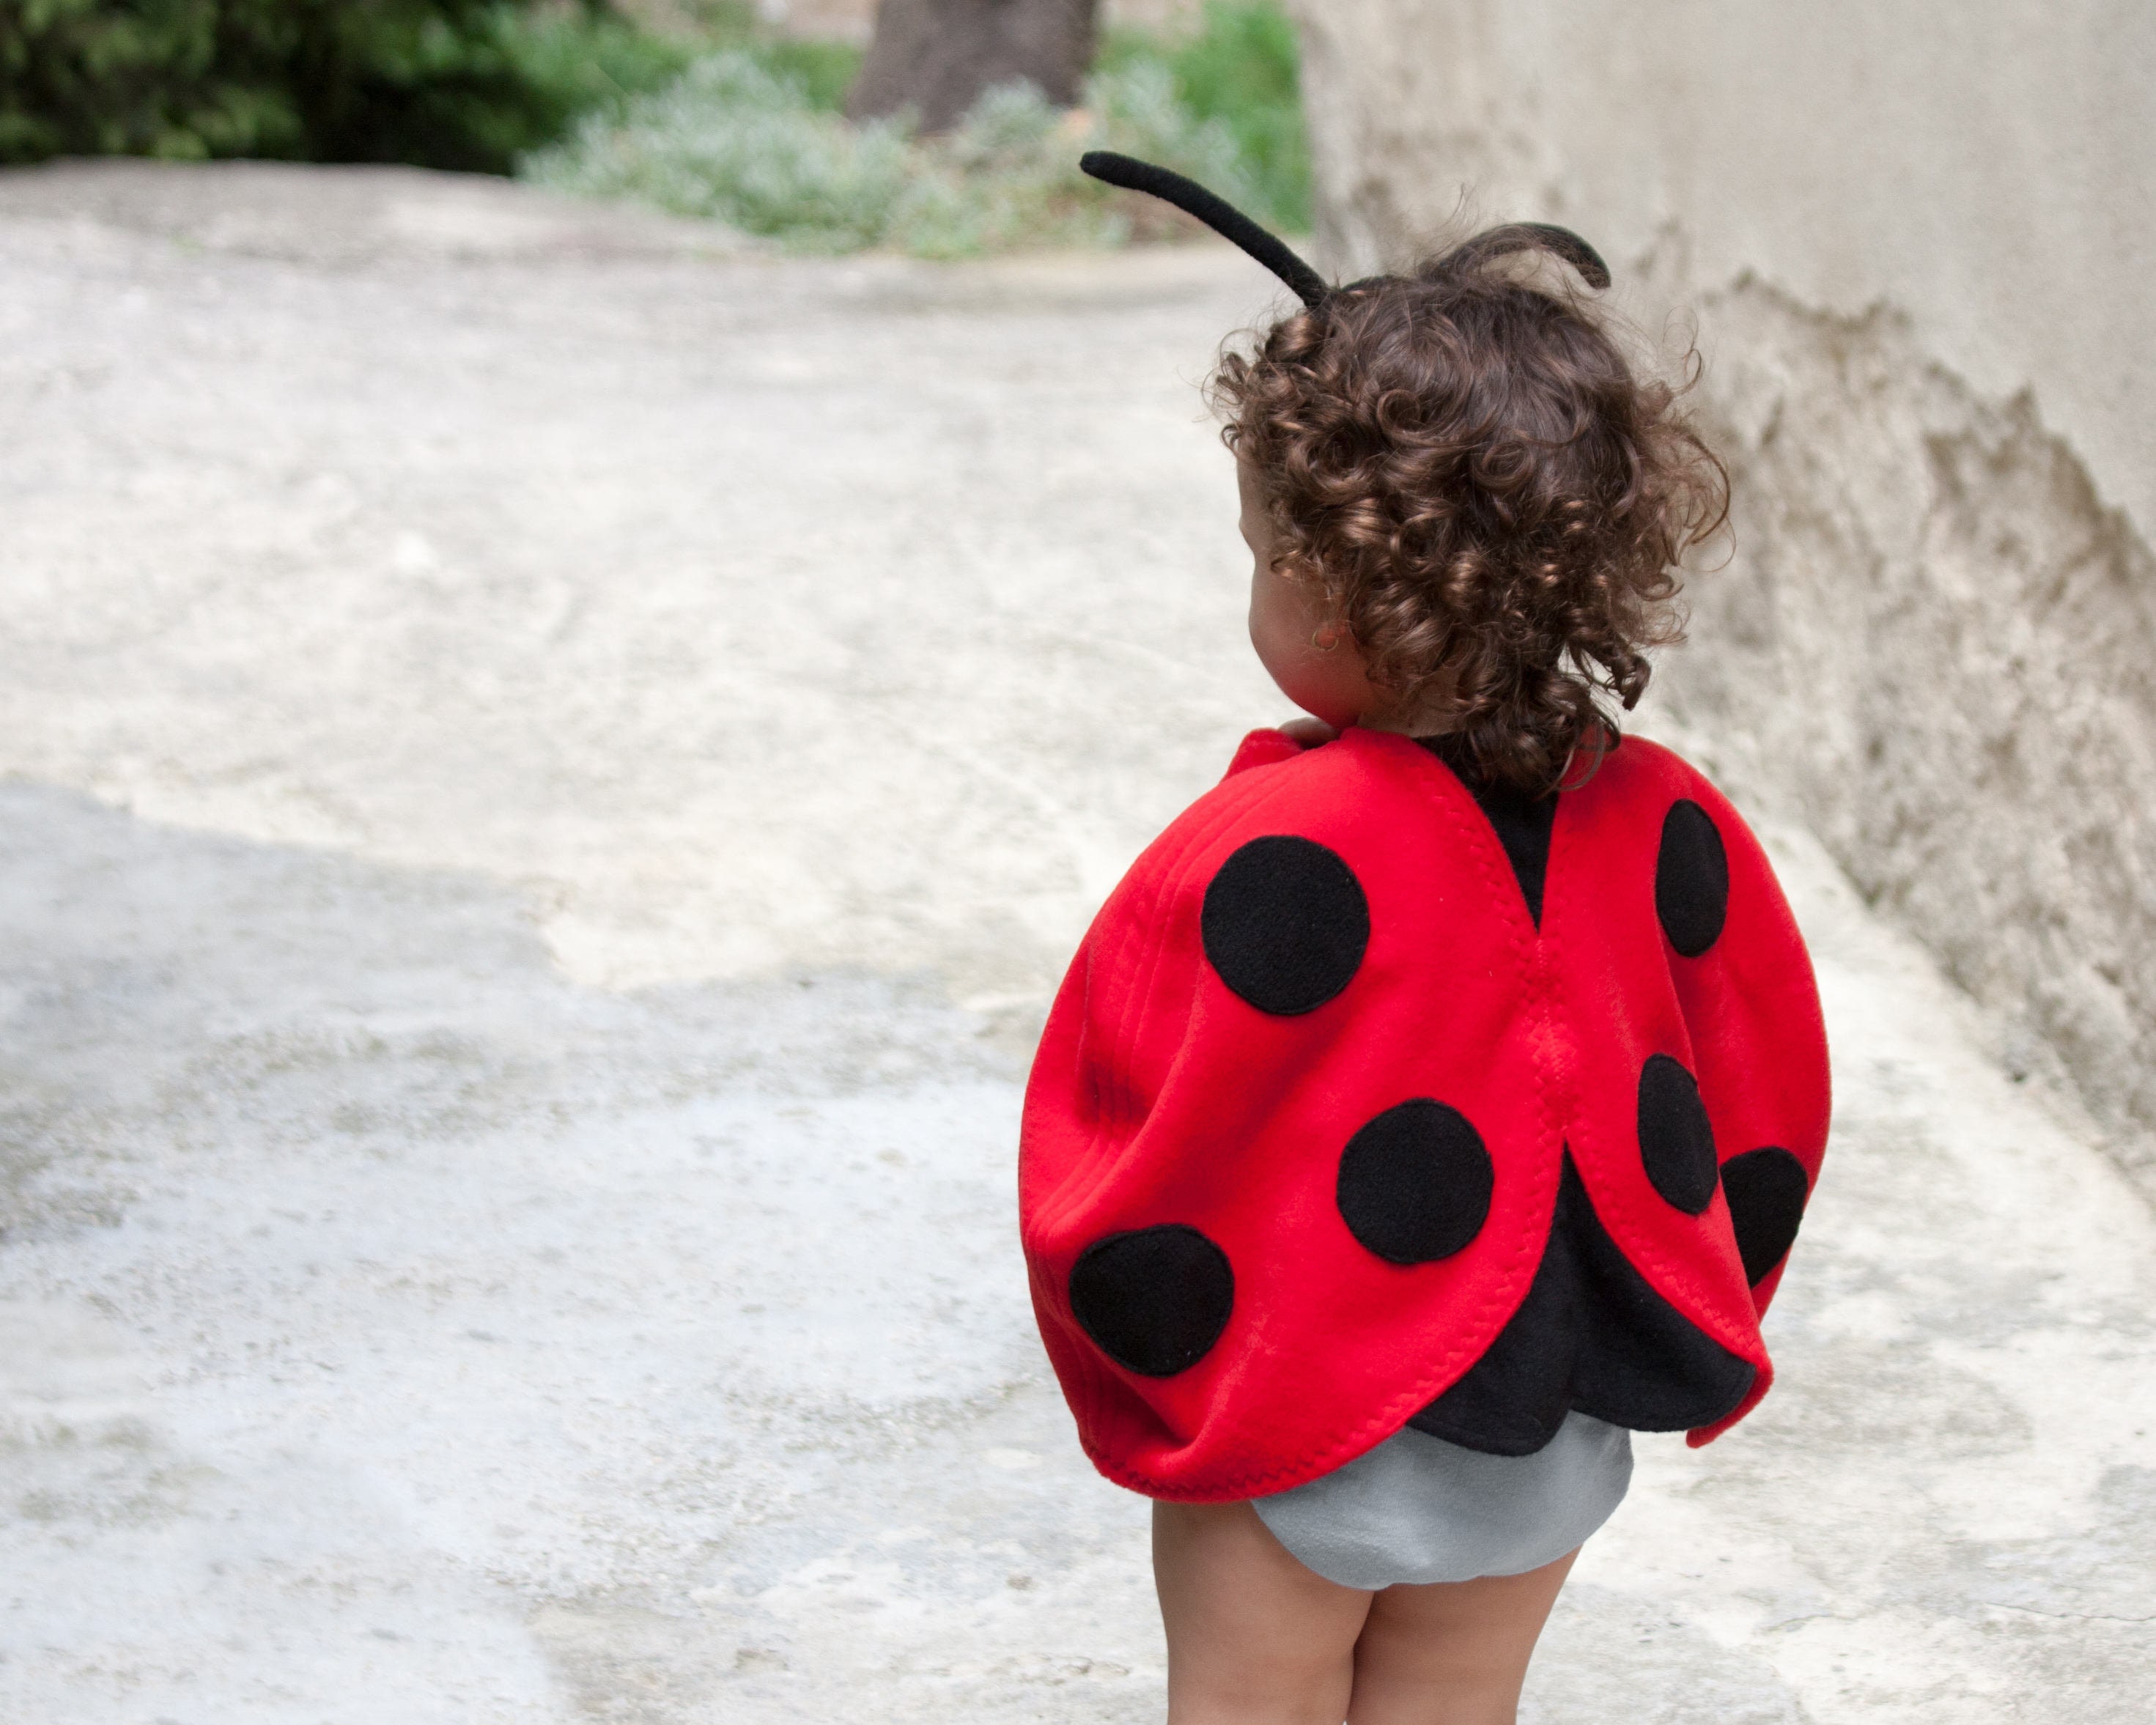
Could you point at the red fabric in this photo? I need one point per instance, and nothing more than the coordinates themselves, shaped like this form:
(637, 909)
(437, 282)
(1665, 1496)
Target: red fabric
(1160, 1097)
(1261, 748)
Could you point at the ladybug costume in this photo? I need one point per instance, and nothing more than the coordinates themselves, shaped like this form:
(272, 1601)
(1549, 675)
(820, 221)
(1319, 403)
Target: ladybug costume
(1379, 1095)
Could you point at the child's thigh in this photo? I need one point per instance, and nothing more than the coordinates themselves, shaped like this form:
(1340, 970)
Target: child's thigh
(1254, 1638)
(1454, 1653)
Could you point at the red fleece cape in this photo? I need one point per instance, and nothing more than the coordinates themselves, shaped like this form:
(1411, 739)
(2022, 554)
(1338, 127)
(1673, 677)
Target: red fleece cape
(1267, 1224)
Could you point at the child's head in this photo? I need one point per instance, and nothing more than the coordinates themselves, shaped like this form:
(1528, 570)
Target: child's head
(1454, 479)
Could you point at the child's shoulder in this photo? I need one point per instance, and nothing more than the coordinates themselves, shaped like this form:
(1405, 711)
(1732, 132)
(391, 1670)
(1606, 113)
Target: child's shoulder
(1275, 783)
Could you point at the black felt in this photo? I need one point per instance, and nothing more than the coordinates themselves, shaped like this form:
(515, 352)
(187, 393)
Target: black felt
(1676, 1139)
(1521, 822)
(1215, 212)
(1414, 1183)
(1766, 1192)
(1154, 1300)
(1691, 879)
(1285, 924)
(1591, 1335)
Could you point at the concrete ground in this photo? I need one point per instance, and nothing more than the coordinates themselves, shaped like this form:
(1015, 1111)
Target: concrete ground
(552, 763)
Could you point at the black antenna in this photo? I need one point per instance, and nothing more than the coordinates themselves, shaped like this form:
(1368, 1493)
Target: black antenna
(1536, 236)
(1216, 212)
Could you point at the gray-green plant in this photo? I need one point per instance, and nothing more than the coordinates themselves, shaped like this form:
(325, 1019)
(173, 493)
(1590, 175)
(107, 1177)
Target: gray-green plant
(738, 142)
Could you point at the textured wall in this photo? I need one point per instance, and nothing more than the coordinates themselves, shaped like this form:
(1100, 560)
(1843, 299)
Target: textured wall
(1916, 240)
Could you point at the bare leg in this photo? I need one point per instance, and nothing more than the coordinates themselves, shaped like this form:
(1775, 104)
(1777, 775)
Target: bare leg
(1453, 1653)
(1254, 1638)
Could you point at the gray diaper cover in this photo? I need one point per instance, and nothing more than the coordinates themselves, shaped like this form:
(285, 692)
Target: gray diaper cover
(1419, 1509)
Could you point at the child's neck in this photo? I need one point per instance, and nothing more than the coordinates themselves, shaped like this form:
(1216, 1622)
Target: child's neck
(1424, 718)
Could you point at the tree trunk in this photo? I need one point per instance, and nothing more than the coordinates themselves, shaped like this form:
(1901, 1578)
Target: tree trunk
(938, 56)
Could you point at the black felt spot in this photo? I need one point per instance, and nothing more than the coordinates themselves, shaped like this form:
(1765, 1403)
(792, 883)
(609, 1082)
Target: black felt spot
(1691, 879)
(1285, 924)
(1767, 1191)
(1414, 1183)
(1522, 822)
(1154, 1300)
(1677, 1140)
(1592, 1334)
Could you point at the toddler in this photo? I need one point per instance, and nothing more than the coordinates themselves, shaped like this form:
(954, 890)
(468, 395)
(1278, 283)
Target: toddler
(1436, 1102)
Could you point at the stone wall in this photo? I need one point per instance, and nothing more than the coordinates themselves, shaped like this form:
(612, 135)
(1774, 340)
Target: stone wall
(1914, 243)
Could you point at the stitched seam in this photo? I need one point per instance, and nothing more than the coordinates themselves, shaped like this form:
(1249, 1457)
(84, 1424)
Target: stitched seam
(1526, 954)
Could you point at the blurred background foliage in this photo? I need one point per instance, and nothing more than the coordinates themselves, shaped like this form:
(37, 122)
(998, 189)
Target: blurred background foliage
(1241, 69)
(455, 84)
(724, 118)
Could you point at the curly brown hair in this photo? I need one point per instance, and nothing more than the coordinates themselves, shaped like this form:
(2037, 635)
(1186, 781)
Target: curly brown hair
(1490, 500)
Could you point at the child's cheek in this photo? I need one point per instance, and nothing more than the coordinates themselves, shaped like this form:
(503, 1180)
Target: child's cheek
(1332, 687)
(1328, 685)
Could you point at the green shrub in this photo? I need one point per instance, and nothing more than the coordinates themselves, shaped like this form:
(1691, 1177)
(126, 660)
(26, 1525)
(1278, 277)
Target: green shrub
(823, 71)
(581, 60)
(591, 59)
(463, 84)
